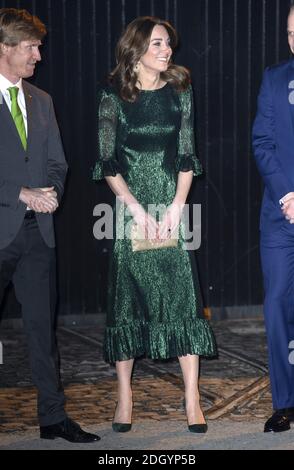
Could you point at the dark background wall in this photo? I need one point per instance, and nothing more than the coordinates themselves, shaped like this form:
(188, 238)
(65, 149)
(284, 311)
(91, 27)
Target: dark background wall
(226, 44)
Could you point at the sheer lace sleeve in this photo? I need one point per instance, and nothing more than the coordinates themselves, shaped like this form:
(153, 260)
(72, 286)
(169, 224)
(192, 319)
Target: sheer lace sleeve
(186, 158)
(107, 163)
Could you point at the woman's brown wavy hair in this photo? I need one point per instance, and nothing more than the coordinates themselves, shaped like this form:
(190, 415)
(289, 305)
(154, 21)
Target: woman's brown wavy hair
(132, 45)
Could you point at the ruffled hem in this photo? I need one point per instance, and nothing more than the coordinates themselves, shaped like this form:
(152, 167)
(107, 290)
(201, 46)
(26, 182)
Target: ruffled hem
(188, 163)
(159, 341)
(107, 168)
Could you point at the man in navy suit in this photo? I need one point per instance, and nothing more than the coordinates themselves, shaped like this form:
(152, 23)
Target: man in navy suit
(273, 144)
(32, 174)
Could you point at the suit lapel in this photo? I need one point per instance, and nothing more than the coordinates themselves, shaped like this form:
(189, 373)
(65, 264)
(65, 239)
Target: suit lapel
(290, 90)
(29, 105)
(5, 117)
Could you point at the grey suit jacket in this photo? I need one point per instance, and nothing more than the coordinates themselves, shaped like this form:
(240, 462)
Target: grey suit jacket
(42, 164)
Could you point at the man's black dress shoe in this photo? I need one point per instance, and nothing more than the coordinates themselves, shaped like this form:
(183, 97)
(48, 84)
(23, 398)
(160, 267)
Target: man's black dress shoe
(69, 430)
(289, 413)
(280, 420)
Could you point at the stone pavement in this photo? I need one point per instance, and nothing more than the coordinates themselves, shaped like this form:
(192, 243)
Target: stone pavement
(234, 389)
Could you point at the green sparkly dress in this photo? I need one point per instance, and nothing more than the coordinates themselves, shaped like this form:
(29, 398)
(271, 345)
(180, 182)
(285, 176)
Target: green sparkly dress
(154, 302)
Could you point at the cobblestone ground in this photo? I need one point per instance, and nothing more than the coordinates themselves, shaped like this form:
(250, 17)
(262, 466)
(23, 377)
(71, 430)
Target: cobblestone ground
(233, 386)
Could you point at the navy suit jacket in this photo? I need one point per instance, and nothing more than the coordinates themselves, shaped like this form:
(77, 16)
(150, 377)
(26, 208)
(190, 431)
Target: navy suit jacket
(42, 164)
(273, 141)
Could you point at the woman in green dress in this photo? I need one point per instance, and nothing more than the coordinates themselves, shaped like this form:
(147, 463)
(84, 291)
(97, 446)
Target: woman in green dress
(147, 156)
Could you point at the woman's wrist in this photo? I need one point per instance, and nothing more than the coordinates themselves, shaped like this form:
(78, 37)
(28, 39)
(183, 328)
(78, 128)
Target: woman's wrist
(179, 202)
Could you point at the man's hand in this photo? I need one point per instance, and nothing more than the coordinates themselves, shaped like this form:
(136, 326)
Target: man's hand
(288, 207)
(40, 199)
(287, 197)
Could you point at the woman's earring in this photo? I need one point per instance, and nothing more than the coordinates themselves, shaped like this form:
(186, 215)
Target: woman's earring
(136, 68)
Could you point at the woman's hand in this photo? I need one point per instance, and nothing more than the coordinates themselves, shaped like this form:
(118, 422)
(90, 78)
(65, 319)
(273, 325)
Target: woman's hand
(171, 220)
(147, 223)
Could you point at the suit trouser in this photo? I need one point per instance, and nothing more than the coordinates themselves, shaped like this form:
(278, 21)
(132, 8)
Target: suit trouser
(277, 257)
(30, 264)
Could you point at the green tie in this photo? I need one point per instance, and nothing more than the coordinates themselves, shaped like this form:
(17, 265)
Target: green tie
(17, 115)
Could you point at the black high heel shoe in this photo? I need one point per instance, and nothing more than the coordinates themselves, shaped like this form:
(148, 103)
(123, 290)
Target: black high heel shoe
(199, 428)
(121, 427)
(196, 428)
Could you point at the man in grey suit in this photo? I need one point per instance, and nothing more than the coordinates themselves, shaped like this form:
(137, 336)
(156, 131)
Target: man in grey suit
(32, 174)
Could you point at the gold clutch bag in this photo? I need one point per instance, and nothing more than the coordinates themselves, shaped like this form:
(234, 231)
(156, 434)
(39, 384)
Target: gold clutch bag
(139, 243)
